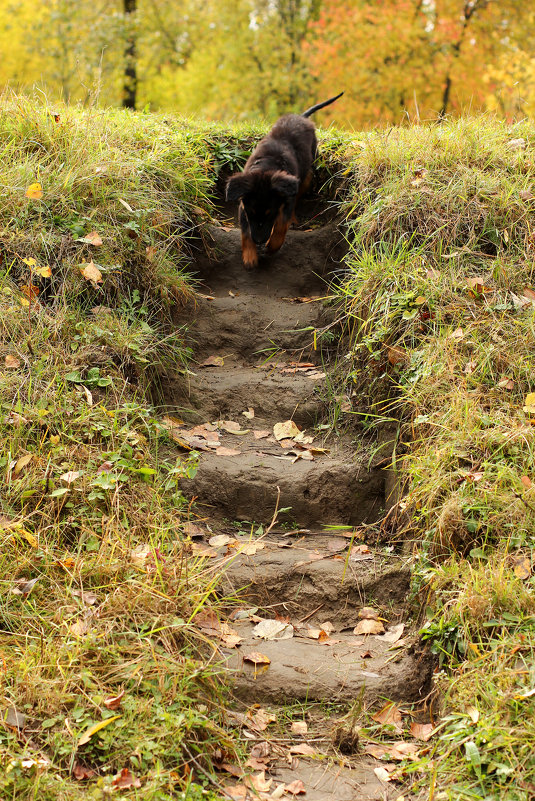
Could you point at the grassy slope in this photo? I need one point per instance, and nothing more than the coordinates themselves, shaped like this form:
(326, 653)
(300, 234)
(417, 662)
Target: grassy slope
(465, 442)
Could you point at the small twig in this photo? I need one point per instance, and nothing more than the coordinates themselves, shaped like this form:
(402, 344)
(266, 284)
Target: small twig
(275, 513)
(304, 619)
(526, 504)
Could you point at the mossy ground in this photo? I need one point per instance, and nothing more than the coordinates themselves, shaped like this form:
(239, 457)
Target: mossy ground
(436, 291)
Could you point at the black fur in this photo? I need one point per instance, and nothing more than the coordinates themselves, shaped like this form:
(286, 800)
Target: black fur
(277, 172)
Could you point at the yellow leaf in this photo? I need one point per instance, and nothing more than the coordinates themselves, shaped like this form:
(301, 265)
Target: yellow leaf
(86, 736)
(44, 272)
(11, 362)
(29, 537)
(34, 191)
(529, 402)
(91, 272)
(24, 302)
(31, 262)
(94, 238)
(22, 463)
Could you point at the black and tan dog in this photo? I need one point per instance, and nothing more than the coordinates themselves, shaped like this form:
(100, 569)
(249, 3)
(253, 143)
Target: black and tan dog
(276, 174)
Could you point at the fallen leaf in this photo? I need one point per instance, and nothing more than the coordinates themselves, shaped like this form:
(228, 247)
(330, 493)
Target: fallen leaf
(11, 362)
(198, 549)
(23, 587)
(236, 792)
(374, 750)
(476, 285)
(382, 774)
(295, 788)
(527, 482)
(369, 626)
(422, 731)
(70, 477)
(389, 715)
(299, 727)
(273, 630)
(88, 598)
(397, 355)
(192, 530)
(458, 334)
(125, 779)
(473, 714)
(525, 194)
(522, 567)
(93, 238)
(259, 782)
(368, 613)
(14, 718)
(261, 434)
(221, 451)
(393, 634)
(21, 463)
(96, 727)
(249, 414)
(517, 144)
(219, 540)
(286, 430)
(81, 773)
(261, 750)
(302, 749)
(261, 719)
(529, 403)
(91, 272)
(79, 628)
(30, 291)
(400, 751)
(529, 293)
(115, 702)
(213, 361)
(34, 191)
(256, 658)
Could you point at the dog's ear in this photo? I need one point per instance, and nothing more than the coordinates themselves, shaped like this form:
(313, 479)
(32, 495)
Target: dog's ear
(285, 184)
(238, 186)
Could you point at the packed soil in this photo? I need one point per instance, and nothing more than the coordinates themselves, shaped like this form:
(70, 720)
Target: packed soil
(281, 516)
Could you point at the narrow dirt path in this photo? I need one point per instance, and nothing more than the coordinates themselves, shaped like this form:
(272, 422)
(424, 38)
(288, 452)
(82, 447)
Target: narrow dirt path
(259, 332)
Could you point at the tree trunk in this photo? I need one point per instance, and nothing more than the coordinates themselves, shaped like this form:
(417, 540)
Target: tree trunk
(130, 56)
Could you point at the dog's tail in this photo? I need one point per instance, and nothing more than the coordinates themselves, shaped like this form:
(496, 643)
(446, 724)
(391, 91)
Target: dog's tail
(317, 107)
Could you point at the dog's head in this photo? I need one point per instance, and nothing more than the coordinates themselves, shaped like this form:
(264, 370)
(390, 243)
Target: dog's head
(264, 196)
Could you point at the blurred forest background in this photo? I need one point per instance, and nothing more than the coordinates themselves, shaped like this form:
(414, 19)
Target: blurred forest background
(239, 59)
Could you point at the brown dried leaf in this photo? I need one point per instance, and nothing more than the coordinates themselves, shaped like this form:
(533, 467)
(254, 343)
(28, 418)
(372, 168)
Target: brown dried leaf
(91, 272)
(422, 731)
(389, 715)
(522, 567)
(222, 451)
(93, 238)
(125, 779)
(261, 434)
(21, 463)
(256, 658)
(295, 788)
(527, 482)
(11, 362)
(213, 361)
(393, 634)
(285, 430)
(115, 702)
(369, 626)
(302, 749)
(82, 773)
(397, 355)
(299, 727)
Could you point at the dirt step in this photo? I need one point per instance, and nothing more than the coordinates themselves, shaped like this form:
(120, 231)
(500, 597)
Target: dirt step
(348, 669)
(249, 325)
(335, 488)
(311, 575)
(224, 393)
(298, 269)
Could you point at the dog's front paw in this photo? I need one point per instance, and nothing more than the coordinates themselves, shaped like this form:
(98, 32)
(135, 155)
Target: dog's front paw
(249, 253)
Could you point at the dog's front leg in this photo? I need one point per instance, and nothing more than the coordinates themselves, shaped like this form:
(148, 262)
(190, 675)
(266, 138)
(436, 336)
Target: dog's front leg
(278, 234)
(248, 247)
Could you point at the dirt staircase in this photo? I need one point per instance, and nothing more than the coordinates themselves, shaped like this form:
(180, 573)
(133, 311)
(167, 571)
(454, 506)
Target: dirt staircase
(257, 335)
